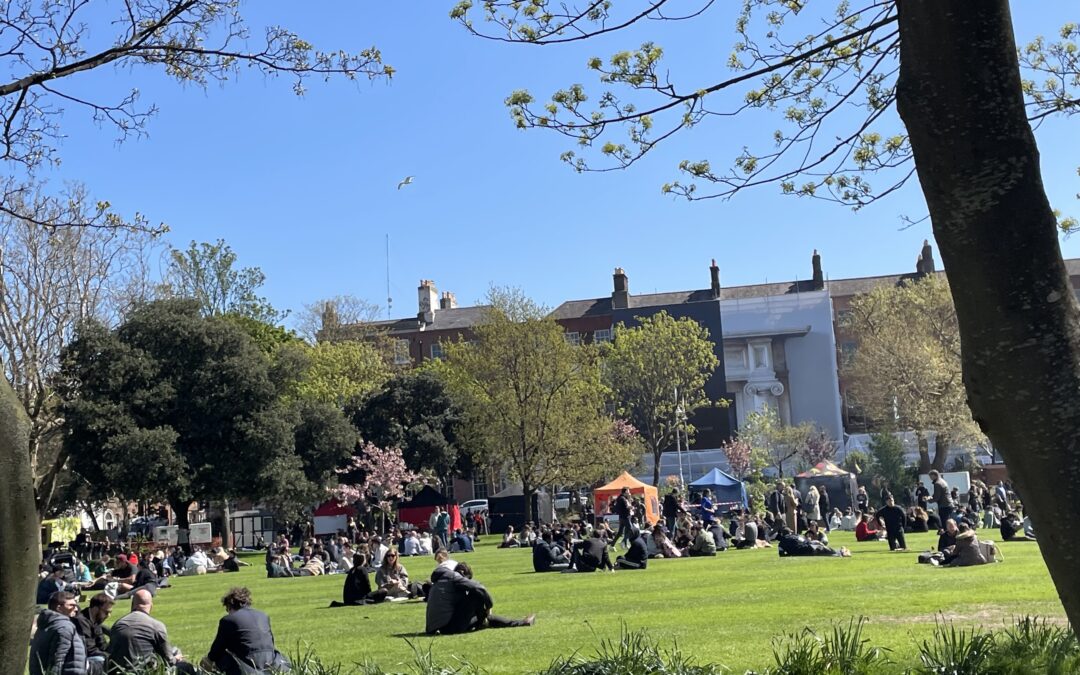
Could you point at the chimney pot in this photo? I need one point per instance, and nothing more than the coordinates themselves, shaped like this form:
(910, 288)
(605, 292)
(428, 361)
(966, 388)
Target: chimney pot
(428, 301)
(714, 286)
(928, 266)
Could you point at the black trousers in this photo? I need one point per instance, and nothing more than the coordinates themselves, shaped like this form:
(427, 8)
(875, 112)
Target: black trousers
(896, 539)
(471, 614)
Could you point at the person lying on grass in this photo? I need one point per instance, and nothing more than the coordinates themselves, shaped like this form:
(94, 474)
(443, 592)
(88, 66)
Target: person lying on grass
(791, 544)
(458, 604)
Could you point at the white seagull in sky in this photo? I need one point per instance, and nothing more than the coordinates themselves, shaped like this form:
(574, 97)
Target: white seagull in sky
(407, 181)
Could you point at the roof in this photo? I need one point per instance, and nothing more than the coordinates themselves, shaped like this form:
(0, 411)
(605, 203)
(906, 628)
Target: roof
(457, 318)
(334, 508)
(825, 468)
(575, 309)
(715, 477)
(624, 480)
(427, 496)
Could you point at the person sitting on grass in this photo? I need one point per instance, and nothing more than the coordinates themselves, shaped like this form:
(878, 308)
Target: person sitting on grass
(244, 644)
(458, 604)
(967, 552)
(57, 648)
(919, 520)
(791, 544)
(703, 543)
(545, 558)
(591, 554)
(53, 583)
(509, 540)
(664, 547)
(313, 565)
(357, 588)
(1011, 525)
(947, 536)
(815, 533)
(144, 579)
(393, 578)
(865, 531)
(461, 542)
(411, 544)
(835, 519)
(849, 521)
(139, 641)
(637, 556)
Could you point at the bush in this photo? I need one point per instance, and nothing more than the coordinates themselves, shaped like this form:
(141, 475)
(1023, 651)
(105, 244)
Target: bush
(634, 653)
(842, 651)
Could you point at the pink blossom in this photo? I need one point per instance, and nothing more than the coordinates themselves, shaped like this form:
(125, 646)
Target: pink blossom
(738, 454)
(385, 477)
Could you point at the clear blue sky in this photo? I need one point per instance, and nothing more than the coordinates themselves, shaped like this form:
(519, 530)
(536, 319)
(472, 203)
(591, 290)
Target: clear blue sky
(305, 188)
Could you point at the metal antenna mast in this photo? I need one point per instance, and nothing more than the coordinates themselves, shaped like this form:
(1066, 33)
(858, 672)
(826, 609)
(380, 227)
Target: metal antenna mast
(389, 300)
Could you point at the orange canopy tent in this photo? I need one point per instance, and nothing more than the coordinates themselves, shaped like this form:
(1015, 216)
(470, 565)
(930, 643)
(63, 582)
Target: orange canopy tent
(603, 495)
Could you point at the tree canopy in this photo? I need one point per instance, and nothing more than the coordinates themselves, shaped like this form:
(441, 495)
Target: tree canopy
(906, 372)
(534, 404)
(657, 371)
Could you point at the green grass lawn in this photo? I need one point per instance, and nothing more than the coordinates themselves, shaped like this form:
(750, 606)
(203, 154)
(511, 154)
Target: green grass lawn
(725, 609)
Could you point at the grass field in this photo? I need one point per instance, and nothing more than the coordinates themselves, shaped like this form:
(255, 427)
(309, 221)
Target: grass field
(725, 609)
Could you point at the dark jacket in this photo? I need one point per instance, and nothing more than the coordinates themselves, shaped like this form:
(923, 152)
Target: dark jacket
(244, 643)
(638, 552)
(93, 634)
(941, 494)
(450, 594)
(893, 517)
(544, 557)
(621, 507)
(967, 551)
(591, 554)
(671, 506)
(46, 587)
(57, 648)
(357, 586)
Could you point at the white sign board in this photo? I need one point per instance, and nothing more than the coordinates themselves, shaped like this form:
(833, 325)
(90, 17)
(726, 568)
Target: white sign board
(961, 480)
(330, 524)
(167, 534)
(200, 533)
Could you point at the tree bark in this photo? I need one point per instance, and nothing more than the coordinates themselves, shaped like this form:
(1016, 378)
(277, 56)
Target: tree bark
(959, 95)
(924, 452)
(941, 451)
(19, 548)
(527, 490)
(657, 454)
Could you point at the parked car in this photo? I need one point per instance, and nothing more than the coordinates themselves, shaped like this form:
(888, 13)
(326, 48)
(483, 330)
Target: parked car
(473, 506)
(562, 501)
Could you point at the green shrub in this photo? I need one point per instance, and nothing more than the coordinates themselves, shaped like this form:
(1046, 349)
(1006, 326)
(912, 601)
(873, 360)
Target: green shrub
(841, 651)
(634, 653)
(1033, 645)
(954, 651)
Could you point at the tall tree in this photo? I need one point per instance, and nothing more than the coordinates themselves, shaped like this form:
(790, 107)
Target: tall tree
(952, 71)
(651, 364)
(50, 280)
(208, 274)
(906, 372)
(342, 317)
(774, 444)
(175, 406)
(339, 373)
(533, 403)
(415, 412)
(46, 47)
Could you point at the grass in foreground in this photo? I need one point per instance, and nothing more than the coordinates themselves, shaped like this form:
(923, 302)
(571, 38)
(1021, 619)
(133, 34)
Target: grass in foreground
(724, 610)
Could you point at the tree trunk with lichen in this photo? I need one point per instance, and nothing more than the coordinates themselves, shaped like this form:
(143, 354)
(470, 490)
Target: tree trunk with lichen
(19, 549)
(959, 95)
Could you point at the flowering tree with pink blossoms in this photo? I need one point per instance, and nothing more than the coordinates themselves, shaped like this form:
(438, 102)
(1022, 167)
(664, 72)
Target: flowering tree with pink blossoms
(739, 456)
(385, 477)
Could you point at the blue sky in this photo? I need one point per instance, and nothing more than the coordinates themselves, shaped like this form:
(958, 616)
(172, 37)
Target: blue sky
(305, 188)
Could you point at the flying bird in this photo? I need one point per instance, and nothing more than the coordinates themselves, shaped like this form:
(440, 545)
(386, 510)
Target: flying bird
(407, 181)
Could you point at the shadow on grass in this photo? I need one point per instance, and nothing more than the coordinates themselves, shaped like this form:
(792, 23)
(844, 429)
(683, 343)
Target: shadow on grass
(414, 635)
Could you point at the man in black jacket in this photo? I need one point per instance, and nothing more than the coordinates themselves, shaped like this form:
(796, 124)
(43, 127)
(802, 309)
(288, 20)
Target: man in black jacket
(90, 625)
(672, 508)
(623, 509)
(893, 516)
(591, 555)
(545, 559)
(457, 604)
(637, 557)
(941, 496)
(824, 506)
(244, 643)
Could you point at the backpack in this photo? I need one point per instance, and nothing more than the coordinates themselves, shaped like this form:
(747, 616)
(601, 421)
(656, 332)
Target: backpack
(991, 552)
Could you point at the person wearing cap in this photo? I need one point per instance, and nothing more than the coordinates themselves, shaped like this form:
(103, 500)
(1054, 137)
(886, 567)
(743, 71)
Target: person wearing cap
(51, 584)
(57, 648)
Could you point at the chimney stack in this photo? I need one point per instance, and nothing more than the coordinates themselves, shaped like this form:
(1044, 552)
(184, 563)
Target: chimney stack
(818, 278)
(928, 258)
(620, 297)
(429, 301)
(714, 271)
(448, 301)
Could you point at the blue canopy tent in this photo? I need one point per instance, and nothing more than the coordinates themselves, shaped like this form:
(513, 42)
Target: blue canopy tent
(729, 493)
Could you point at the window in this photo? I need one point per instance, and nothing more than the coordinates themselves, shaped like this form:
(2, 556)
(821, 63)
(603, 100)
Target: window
(449, 490)
(573, 338)
(844, 317)
(436, 350)
(479, 486)
(401, 352)
(847, 353)
(601, 335)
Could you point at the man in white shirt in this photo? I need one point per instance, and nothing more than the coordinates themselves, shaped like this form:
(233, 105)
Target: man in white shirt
(411, 544)
(378, 551)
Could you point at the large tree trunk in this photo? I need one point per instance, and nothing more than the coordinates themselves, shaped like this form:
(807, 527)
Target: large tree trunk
(527, 490)
(941, 451)
(959, 95)
(20, 551)
(924, 452)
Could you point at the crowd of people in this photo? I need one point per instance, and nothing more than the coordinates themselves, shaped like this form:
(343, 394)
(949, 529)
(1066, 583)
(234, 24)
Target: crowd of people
(73, 641)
